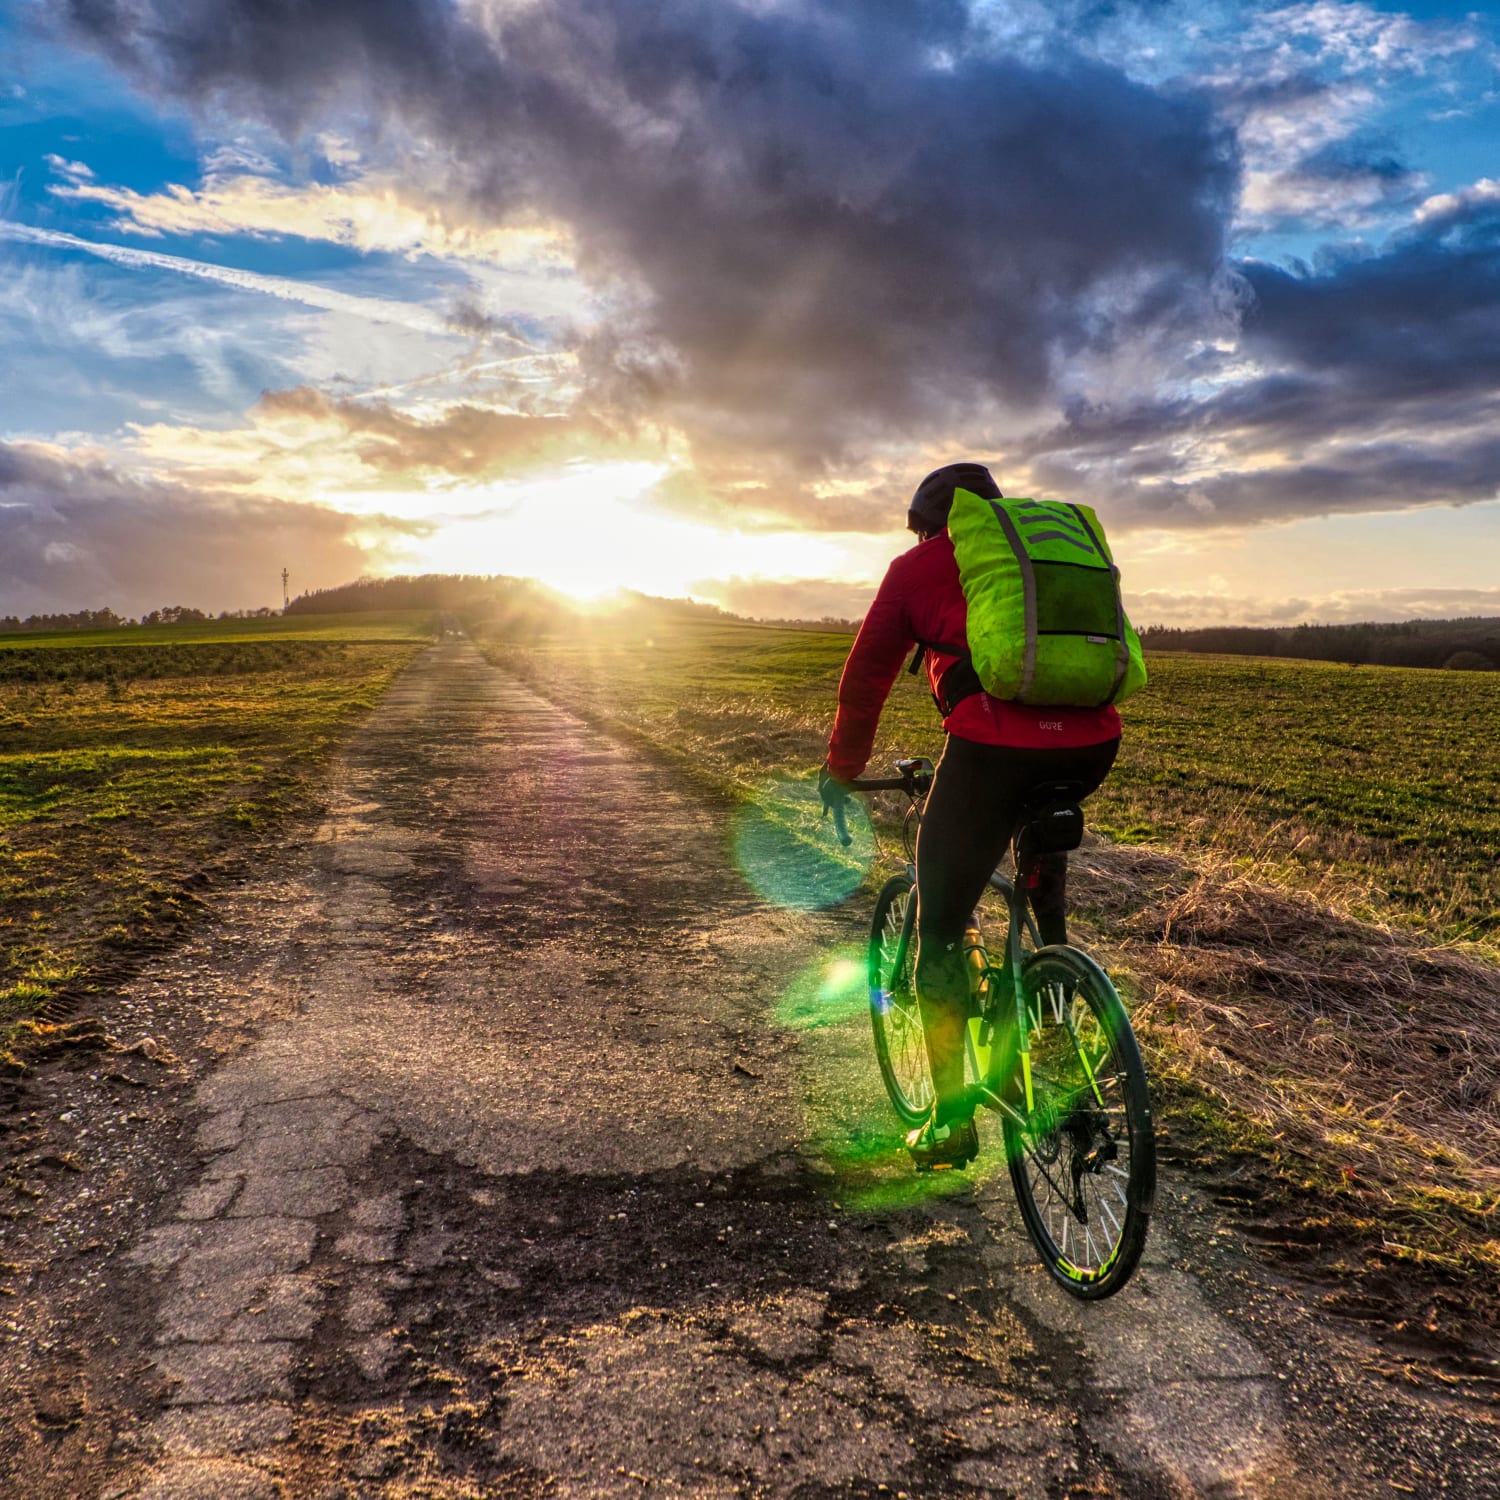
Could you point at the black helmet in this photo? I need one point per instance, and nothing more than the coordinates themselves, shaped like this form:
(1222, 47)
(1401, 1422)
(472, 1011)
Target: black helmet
(934, 497)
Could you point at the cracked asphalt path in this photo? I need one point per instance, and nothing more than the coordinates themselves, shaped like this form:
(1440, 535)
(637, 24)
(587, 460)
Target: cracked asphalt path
(512, 1183)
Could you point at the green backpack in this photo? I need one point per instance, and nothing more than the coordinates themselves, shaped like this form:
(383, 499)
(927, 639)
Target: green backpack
(1045, 620)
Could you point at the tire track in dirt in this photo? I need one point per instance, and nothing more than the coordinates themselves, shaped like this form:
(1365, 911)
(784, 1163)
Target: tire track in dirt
(528, 1193)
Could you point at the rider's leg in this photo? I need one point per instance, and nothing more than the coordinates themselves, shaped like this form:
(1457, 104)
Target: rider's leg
(966, 825)
(1049, 898)
(971, 813)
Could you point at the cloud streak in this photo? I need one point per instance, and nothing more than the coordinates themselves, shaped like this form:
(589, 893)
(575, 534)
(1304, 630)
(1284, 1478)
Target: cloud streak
(308, 294)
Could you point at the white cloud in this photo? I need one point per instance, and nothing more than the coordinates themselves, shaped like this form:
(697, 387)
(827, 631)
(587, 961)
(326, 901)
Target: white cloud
(240, 196)
(74, 171)
(238, 156)
(1362, 39)
(1442, 205)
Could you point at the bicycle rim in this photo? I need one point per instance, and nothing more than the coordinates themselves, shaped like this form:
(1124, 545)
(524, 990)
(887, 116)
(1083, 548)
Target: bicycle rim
(1084, 1164)
(900, 1043)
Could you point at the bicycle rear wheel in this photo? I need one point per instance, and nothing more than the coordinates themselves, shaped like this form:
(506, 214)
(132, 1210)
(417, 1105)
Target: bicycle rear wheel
(1084, 1164)
(900, 1043)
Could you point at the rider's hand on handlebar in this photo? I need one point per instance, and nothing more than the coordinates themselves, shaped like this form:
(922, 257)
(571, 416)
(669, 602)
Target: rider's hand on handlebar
(833, 791)
(835, 795)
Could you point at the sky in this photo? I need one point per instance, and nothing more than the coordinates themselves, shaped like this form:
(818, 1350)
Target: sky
(686, 297)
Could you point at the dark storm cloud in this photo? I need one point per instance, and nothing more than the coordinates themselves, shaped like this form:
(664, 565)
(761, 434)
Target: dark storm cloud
(79, 535)
(832, 225)
(1354, 477)
(1380, 388)
(1420, 319)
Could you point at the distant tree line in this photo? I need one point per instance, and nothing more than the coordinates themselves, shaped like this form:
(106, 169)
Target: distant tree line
(523, 607)
(107, 619)
(1470, 644)
(828, 624)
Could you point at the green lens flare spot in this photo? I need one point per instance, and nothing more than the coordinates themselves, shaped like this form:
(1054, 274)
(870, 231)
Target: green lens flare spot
(789, 853)
(825, 993)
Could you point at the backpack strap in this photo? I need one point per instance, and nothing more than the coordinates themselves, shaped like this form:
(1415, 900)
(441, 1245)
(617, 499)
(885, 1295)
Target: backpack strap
(960, 681)
(1122, 646)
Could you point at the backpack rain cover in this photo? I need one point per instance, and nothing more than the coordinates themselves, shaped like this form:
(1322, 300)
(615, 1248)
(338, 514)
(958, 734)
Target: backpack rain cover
(1045, 621)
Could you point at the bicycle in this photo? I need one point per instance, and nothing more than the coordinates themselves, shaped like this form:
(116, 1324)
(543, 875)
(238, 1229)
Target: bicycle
(1048, 1047)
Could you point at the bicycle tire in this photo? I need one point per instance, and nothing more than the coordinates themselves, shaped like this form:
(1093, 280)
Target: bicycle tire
(1091, 1104)
(900, 1042)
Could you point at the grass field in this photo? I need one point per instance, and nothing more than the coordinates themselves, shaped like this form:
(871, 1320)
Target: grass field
(1379, 787)
(1301, 898)
(134, 763)
(372, 627)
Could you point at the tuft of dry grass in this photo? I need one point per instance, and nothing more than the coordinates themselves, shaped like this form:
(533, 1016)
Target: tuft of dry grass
(1355, 1064)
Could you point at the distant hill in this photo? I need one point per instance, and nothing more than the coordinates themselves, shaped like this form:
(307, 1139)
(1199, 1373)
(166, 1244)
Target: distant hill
(457, 593)
(1471, 644)
(500, 604)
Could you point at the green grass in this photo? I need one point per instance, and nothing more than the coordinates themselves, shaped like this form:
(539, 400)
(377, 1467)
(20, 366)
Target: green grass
(1379, 785)
(407, 625)
(1386, 779)
(130, 771)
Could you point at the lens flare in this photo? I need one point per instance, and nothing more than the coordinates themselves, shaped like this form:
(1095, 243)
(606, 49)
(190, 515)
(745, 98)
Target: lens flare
(789, 853)
(847, 1120)
(825, 993)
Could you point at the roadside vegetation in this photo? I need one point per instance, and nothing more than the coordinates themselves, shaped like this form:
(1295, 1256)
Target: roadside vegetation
(1299, 893)
(1464, 645)
(133, 772)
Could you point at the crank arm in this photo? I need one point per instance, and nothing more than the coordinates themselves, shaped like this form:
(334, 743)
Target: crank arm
(991, 1100)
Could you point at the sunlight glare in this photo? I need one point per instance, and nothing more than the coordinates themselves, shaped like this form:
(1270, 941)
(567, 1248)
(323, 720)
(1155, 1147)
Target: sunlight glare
(594, 529)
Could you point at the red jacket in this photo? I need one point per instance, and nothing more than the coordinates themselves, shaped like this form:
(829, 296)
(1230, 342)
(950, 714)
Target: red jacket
(920, 599)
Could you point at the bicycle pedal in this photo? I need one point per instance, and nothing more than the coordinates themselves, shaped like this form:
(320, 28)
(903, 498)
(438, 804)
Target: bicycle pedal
(942, 1166)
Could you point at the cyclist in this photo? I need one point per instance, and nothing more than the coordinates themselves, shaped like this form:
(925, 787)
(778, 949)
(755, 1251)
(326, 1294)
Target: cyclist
(995, 754)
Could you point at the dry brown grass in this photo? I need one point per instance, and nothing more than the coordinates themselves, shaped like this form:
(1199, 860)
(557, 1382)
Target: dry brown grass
(1352, 1066)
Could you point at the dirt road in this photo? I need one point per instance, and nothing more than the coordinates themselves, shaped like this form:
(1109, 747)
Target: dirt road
(478, 1156)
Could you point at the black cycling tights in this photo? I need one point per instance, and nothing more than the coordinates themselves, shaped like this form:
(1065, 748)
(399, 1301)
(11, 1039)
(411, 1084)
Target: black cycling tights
(971, 815)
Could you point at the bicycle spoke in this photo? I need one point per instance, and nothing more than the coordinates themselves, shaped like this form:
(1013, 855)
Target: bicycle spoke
(1074, 1154)
(900, 1038)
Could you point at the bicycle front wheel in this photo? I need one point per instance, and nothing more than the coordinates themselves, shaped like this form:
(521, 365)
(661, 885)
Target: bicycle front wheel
(1084, 1164)
(900, 1042)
